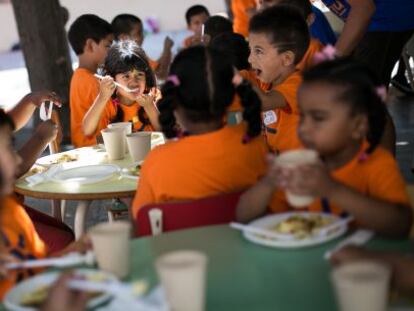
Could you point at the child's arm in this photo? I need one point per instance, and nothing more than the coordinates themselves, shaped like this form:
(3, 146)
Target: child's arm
(270, 100)
(165, 59)
(93, 116)
(402, 265)
(34, 147)
(384, 217)
(148, 103)
(22, 112)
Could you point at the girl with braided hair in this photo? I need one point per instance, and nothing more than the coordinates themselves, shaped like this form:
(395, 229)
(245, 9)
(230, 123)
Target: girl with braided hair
(342, 117)
(204, 156)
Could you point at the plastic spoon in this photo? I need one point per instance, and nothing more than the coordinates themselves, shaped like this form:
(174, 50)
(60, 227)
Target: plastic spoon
(118, 84)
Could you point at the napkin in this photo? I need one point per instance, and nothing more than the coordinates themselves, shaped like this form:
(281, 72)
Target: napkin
(43, 176)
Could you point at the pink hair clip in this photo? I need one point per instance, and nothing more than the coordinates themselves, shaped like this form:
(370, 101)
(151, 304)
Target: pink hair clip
(174, 80)
(363, 156)
(237, 79)
(329, 52)
(381, 92)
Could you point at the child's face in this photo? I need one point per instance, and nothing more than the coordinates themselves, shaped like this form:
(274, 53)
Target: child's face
(9, 161)
(100, 49)
(135, 34)
(196, 22)
(133, 79)
(326, 124)
(266, 60)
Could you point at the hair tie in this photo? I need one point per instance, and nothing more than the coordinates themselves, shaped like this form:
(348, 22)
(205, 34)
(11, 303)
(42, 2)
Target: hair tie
(174, 80)
(363, 156)
(381, 91)
(116, 102)
(237, 79)
(329, 52)
(246, 138)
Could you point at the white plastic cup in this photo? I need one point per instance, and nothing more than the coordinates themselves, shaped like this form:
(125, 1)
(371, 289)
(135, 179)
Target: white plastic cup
(183, 276)
(292, 159)
(114, 142)
(111, 245)
(139, 144)
(362, 286)
(128, 130)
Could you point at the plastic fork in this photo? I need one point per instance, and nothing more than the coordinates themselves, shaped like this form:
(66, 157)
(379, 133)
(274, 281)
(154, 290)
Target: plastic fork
(116, 288)
(264, 232)
(127, 89)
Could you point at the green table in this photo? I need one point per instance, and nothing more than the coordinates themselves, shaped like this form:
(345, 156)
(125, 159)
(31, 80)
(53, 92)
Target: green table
(246, 276)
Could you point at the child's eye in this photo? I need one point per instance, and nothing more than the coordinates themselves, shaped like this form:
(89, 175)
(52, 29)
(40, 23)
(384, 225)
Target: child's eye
(258, 51)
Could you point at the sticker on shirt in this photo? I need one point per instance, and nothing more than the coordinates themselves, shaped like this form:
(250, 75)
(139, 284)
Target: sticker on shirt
(269, 117)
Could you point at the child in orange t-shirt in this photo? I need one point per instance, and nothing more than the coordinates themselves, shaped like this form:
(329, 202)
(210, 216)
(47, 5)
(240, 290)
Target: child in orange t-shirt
(342, 118)
(90, 37)
(278, 39)
(129, 27)
(242, 11)
(208, 158)
(127, 65)
(195, 17)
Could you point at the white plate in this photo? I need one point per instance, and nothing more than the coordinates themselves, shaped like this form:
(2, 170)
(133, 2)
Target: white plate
(127, 174)
(13, 297)
(272, 220)
(85, 174)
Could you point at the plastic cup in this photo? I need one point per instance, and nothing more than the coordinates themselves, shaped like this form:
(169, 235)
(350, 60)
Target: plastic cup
(292, 159)
(114, 142)
(111, 246)
(362, 286)
(183, 276)
(128, 130)
(139, 144)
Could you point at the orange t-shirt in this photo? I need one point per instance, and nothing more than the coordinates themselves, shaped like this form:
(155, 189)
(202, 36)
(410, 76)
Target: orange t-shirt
(20, 239)
(377, 176)
(308, 60)
(199, 166)
(84, 88)
(281, 124)
(153, 63)
(241, 17)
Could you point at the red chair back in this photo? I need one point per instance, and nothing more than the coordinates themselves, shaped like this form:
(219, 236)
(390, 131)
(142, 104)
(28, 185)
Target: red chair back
(182, 215)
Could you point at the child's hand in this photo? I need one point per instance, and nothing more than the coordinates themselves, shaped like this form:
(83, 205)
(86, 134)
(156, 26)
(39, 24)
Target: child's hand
(275, 176)
(37, 98)
(168, 43)
(350, 253)
(107, 87)
(46, 131)
(146, 100)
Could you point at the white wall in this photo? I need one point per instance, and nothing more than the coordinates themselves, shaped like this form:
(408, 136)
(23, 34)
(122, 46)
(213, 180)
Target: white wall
(170, 13)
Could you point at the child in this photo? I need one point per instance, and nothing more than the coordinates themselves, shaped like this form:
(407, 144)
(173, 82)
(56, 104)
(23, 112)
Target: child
(129, 27)
(208, 158)
(195, 16)
(90, 37)
(216, 25)
(278, 40)
(343, 119)
(126, 64)
(242, 11)
(18, 234)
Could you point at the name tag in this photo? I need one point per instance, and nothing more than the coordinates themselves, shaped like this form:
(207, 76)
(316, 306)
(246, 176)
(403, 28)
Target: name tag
(269, 117)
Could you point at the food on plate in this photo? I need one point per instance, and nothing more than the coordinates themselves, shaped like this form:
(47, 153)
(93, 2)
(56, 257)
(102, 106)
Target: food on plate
(135, 170)
(35, 170)
(300, 226)
(64, 158)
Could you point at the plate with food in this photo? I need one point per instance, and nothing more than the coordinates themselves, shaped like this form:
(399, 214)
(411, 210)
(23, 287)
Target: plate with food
(30, 294)
(58, 159)
(133, 171)
(87, 174)
(299, 229)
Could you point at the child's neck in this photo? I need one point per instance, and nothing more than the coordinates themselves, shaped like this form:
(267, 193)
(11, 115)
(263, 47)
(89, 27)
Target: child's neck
(125, 101)
(283, 76)
(86, 63)
(341, 158)
(198, 128)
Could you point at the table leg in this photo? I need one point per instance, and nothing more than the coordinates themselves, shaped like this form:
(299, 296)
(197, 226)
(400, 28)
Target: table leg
(56, 211)
(80, 215)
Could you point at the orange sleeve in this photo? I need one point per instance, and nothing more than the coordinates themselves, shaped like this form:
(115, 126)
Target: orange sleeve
(308, 60)
(241, 17)
(153, 63)
(83, 90)
(289, 90)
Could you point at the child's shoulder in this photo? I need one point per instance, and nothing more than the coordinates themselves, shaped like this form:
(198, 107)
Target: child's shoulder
(380, 158)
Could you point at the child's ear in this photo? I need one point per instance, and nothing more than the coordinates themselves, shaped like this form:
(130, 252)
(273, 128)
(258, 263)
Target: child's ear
(310, 19)
(89, 45)
(360, 127)
(288, 58)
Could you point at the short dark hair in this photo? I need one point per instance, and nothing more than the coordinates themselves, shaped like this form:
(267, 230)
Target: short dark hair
(285, 27)
(304, 6)
(5, 119)
(235, 47)
(123, 24)
(195, 10)
(87, 26)
(216, 25)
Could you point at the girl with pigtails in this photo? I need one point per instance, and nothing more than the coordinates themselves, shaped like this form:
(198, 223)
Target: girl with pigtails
(342, 118)
(204, 156)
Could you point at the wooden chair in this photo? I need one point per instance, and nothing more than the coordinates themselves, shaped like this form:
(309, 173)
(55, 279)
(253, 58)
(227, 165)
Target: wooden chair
(214, 210)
